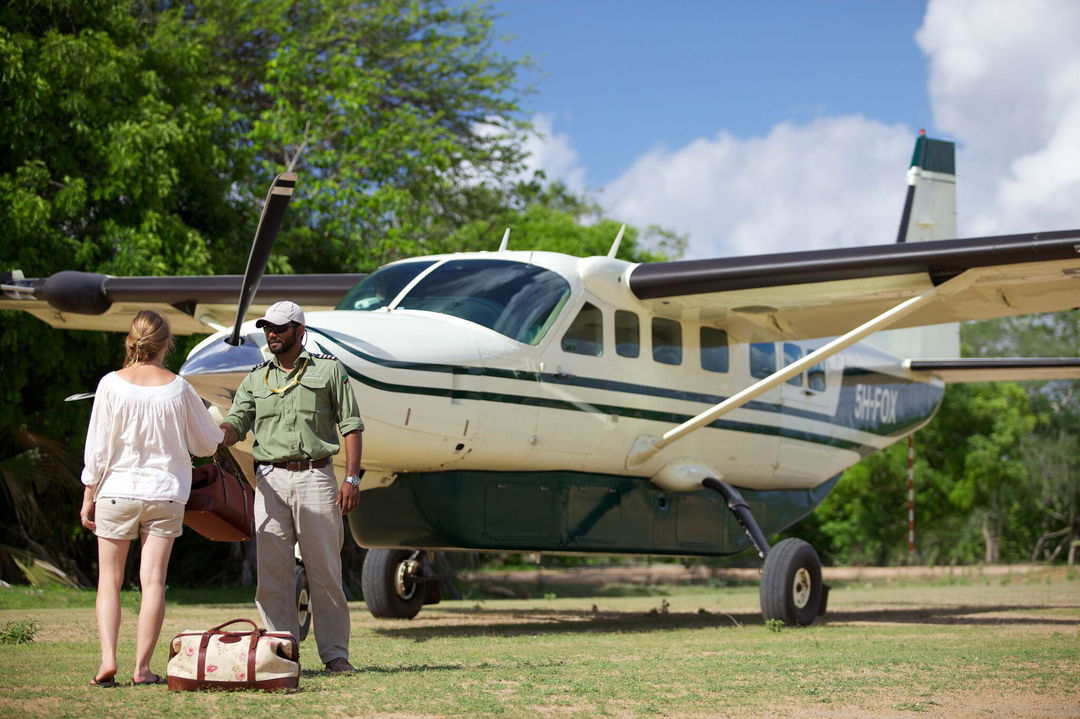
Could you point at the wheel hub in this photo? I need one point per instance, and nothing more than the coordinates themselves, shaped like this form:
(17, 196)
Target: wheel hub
(800, 588)
(405, 578)
(303, 604)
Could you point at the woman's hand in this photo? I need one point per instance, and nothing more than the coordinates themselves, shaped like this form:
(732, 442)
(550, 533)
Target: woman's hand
(86, 513)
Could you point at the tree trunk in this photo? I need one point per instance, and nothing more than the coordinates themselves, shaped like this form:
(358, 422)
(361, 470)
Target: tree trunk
(993, 553)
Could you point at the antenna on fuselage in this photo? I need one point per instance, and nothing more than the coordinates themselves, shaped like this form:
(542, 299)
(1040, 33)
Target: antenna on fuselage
(615, 244)
(505, 240)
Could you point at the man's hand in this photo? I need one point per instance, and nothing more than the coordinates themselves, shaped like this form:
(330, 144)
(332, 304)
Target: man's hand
(348, 497)
(231, 435)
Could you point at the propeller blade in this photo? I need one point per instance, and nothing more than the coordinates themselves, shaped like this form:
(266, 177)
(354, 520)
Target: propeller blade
(277, 199)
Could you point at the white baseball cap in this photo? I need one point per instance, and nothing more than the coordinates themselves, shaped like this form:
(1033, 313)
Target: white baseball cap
(281, 313)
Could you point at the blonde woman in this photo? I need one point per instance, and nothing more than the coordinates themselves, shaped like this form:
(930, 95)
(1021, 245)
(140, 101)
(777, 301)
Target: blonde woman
(145, 423)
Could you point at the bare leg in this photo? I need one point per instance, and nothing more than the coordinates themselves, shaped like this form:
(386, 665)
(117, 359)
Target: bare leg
(112, 554)
(152, 569)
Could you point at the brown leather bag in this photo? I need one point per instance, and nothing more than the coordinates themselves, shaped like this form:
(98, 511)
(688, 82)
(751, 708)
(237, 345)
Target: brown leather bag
(248, 659)
(221, 506)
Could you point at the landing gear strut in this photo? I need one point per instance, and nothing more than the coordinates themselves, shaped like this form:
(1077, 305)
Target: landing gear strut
(791, 586)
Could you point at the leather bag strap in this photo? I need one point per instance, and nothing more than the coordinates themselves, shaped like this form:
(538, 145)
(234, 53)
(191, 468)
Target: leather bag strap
(204, 642)
(255, 637)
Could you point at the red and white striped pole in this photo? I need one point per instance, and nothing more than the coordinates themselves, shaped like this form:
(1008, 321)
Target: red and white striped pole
(911, 499)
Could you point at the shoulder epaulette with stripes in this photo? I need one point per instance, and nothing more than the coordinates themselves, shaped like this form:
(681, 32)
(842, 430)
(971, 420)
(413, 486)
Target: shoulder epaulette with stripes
(260, 365)
(321, 356)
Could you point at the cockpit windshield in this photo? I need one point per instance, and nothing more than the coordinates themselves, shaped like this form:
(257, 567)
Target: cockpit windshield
(513, 298)
(379, 289)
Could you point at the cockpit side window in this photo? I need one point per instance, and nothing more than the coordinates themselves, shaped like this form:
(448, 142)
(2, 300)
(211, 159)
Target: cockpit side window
(379, 289)
(515, 299)
(586, 333)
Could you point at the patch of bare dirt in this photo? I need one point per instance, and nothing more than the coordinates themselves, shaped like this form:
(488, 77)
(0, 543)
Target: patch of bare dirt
(677, 574)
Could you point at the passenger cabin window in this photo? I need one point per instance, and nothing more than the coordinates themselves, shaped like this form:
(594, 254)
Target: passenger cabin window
(793, 353)
(762, 359)
(627, 334)
(816, 378)
(586, 333)
(666, 341)
(714, 349)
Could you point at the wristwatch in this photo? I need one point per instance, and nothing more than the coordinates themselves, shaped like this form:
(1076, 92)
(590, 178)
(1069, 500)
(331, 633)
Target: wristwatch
(354, 481)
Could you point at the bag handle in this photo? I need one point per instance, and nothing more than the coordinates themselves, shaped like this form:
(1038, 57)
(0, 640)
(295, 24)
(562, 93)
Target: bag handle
(200, 672)
(219, 628)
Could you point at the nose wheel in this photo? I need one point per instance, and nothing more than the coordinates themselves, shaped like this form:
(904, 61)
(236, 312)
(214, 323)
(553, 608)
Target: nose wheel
(303, 600)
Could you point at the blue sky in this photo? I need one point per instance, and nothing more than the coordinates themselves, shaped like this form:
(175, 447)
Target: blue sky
(781, 125)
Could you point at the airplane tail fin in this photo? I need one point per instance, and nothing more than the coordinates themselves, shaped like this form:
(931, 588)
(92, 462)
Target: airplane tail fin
(930, 206)
(929, 214)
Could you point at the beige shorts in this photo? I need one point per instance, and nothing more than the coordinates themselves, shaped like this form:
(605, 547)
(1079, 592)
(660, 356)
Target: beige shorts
(122, 518)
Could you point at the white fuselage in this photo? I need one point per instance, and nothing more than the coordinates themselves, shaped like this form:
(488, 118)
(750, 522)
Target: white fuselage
(439, 392)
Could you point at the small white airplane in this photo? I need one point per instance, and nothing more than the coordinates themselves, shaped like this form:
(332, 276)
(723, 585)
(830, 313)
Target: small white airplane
(533, 401)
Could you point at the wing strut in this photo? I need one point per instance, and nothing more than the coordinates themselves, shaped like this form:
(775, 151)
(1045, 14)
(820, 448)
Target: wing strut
(646, 446)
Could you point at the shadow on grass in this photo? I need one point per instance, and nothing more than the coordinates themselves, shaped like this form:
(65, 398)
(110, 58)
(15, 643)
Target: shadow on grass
(560, 621)
(412, 668)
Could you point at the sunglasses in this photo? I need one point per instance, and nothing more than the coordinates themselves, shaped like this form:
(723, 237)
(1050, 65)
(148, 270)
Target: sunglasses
(279, 329)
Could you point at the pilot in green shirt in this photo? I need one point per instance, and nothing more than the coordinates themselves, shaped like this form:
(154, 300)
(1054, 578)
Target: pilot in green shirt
(296, 403)
(295, 414)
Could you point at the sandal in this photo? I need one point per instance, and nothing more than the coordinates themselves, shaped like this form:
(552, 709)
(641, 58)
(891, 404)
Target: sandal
(158, 679)
(104, 682)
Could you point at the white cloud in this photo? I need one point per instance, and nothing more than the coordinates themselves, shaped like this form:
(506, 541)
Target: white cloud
(833, 183)
(554, 154)
(1004, 81)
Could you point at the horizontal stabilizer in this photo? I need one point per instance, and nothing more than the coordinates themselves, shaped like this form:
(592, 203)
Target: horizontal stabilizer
(995, 369)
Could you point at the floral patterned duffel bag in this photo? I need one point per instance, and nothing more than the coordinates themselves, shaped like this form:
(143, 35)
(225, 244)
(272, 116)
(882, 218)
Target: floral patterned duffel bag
(219, 659)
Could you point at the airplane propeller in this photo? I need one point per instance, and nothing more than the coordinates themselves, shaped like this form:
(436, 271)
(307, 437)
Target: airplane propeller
(277, 199)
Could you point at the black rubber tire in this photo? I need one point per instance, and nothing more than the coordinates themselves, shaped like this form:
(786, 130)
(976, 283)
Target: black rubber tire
(303, 601)
(378, 580)
(791, 586)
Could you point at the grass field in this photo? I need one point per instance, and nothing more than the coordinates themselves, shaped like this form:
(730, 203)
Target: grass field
(980, 645)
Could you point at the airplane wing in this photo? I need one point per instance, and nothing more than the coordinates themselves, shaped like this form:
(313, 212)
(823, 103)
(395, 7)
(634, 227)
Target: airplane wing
(997, 369)
(802, 295)
(193, 304)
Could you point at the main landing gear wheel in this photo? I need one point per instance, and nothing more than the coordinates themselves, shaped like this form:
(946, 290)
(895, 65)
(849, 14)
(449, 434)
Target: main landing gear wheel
(303, 601)
(390, 583)
(791, 586)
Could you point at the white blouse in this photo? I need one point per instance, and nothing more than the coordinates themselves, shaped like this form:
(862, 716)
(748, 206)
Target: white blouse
(139, 439)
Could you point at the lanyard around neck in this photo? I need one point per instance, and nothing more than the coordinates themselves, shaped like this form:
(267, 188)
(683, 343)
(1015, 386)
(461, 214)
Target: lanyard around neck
(290, 383)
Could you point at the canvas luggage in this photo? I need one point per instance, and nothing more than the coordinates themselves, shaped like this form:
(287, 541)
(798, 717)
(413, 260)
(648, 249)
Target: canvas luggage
(247, 659)
(221, 506)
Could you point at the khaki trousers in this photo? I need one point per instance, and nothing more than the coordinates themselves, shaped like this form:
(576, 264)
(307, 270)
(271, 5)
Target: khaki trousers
(298, 507)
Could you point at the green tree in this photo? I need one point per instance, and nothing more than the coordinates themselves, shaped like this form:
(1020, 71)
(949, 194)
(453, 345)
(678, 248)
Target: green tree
(395, 112)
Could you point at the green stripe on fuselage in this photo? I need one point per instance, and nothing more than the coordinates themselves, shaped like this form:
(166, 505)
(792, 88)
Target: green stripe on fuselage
(579, 405)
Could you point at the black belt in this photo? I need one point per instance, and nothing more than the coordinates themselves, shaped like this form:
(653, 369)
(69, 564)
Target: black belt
(300, 465)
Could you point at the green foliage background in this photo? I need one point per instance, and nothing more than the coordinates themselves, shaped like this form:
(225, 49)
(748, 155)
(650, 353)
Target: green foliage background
(137, 138)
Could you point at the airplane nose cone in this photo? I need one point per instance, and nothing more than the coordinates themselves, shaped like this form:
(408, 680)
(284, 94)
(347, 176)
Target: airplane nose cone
(221, 357)
(216, 368)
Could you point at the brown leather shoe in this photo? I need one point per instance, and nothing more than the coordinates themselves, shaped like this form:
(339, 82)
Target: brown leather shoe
(339, 666)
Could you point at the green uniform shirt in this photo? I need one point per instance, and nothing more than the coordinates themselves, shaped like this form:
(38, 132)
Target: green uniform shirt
(301, 421)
